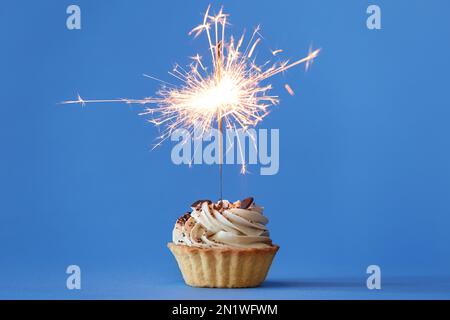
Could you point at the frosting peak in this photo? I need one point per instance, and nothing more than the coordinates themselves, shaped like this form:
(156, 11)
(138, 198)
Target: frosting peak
(222, 224)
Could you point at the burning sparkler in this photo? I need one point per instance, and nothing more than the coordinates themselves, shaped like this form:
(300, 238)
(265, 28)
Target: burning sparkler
(232, 94)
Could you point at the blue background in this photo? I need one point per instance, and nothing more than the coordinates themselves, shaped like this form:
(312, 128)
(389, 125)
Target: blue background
(364, 159)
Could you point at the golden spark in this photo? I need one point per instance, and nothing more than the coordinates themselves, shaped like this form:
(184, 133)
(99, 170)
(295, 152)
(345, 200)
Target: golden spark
(233, 93)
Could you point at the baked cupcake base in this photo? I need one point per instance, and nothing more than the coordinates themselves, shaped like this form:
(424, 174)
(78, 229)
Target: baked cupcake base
(223, 267)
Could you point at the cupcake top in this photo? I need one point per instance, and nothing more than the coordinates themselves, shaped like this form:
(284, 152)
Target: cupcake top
(223, 224)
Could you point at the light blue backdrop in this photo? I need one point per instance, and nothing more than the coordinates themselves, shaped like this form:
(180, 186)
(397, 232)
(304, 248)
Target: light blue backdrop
(364, 160)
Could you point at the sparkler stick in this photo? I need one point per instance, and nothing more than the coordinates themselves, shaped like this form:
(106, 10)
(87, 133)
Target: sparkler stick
(233, 94)
(219, 120)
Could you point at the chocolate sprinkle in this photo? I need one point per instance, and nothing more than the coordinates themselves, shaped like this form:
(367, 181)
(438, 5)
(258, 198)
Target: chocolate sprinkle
(247, 202)
(199, 202)
(218, 206)
(184, 218)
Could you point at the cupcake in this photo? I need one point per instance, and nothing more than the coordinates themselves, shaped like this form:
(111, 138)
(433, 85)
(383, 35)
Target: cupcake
(223, 244)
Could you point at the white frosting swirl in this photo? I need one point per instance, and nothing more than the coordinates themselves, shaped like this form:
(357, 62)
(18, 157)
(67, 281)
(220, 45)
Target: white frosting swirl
(223, 226)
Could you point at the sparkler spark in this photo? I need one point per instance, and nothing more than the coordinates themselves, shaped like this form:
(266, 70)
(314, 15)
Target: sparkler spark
(233, 93)
(289, 89)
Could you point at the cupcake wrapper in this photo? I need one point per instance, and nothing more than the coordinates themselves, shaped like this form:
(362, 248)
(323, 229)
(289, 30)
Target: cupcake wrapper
(223, 267)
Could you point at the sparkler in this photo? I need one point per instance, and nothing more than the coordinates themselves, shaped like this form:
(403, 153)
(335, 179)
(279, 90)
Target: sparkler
(232, 94)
